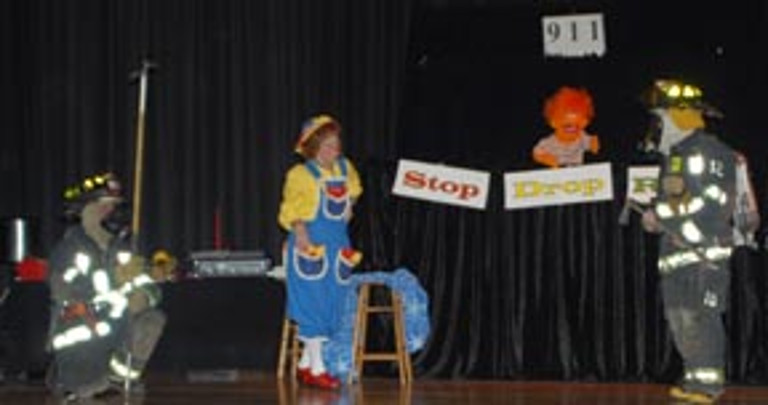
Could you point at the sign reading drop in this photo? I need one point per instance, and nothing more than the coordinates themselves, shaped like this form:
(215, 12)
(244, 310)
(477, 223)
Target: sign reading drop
(538, 188)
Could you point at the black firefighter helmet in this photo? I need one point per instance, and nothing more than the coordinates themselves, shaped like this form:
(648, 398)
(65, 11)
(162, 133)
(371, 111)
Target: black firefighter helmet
(670, 93)
(105, 186)
(666, 94)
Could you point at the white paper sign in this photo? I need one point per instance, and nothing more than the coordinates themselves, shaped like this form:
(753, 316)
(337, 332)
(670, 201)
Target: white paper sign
(642, 183)
(575, 35)
(538, 188)
(442, 184)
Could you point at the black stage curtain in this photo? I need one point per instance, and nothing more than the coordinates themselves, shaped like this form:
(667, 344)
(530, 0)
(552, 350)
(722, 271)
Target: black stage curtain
(550, 293)
(233, 83)
(561, 292)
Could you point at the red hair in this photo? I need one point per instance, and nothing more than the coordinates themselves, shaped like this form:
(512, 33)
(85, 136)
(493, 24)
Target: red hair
(569, 99)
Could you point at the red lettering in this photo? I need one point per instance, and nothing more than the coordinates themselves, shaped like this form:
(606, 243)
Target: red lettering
(469, 191)
(414, 179)
(449, 187)
(418, 180)
(433, 184)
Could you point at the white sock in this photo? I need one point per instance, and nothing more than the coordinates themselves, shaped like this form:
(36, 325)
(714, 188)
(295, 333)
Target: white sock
(315, 348)
(304, 361)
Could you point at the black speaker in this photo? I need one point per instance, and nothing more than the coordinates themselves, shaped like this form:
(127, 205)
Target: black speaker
(24, 319)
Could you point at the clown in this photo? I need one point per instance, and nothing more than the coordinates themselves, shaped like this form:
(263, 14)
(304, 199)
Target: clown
(317, 201)
(569, 112)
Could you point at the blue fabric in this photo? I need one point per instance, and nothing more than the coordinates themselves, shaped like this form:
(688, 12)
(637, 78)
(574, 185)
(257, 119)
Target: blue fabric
(317, 286)
(338, 351)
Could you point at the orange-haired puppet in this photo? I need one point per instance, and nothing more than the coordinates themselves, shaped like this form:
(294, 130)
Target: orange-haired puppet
(569, 112)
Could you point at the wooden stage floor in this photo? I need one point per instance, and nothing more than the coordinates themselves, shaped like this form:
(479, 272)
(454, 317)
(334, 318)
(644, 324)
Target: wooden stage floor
(260, 389)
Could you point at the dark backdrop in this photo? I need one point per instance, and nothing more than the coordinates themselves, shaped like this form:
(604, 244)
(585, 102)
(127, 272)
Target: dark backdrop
(561, 292)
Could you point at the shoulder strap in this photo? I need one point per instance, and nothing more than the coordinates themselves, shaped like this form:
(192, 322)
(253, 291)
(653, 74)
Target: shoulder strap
(313, 169)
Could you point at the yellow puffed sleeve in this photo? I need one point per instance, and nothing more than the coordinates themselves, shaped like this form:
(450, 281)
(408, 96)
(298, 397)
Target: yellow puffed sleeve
(300, 197)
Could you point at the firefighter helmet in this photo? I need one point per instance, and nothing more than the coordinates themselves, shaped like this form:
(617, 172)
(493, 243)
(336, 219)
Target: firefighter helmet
(668, 93)
(91, 188)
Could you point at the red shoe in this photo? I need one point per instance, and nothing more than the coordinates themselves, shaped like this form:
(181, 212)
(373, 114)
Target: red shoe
(325, 381)
(302, 374)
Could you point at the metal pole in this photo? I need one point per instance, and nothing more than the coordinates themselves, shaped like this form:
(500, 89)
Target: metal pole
(143, 75)
(139, 157)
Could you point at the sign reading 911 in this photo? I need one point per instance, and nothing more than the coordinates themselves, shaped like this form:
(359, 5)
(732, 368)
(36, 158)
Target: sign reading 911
(573, 36)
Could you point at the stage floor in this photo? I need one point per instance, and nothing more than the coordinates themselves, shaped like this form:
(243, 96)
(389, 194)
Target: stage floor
(260, 389)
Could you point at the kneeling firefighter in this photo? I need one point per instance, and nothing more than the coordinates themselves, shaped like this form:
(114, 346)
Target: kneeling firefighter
(104, 322)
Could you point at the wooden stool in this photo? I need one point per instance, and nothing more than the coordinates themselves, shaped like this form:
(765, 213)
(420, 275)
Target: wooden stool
(400, 353)
(290, 349)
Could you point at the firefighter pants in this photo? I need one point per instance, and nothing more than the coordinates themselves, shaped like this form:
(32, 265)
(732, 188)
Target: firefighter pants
(695, 298)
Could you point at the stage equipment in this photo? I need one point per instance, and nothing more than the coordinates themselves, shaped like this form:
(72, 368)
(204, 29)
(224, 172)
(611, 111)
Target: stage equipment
(23, 302)
(225, 263)
(398, 354)
(142, 74)
(18, 237)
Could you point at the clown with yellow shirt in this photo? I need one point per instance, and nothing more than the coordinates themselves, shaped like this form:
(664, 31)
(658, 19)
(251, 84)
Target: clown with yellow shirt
(316, 206)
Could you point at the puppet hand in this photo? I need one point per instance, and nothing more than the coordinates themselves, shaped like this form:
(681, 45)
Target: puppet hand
(594, 144)
(673, 185)
(651, 222)
(547, 159)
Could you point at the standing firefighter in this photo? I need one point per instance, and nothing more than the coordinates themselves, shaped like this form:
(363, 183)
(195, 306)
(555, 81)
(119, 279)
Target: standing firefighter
(694, 211)
(104, 324)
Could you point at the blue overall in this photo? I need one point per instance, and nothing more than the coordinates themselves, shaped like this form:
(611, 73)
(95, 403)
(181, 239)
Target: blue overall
(317, 284)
